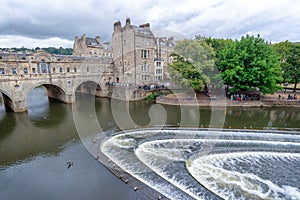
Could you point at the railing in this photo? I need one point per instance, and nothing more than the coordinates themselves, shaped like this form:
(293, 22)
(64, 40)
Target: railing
(12, 77)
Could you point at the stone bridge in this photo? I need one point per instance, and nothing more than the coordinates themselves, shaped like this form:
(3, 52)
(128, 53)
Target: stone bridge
(62, 76)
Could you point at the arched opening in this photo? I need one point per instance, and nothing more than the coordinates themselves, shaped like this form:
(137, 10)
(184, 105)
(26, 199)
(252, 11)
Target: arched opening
(7, 121)
(89, 88)
(85, 98)
(42, 110)
(37, 103)
(39, 97)
(2, 106)
(6, 102)
(56, 93)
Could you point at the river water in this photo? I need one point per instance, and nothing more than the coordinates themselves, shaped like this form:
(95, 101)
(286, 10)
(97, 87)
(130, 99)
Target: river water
(35, 147)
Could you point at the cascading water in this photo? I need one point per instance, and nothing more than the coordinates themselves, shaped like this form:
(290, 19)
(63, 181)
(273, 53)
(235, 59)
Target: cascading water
(239, 165)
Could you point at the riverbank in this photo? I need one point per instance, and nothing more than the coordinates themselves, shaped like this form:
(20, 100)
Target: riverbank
(138, 186)
(266, 101)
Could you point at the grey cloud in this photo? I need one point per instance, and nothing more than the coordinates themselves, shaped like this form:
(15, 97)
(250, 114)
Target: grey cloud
(221, 18)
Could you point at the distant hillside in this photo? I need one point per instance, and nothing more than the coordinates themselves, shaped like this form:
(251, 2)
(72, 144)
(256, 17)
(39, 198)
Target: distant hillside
(52, 50)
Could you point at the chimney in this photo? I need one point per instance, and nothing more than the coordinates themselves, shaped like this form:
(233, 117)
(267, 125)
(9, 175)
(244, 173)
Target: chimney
(147, 25)
(171, 39)
(83, 37)
(127, 21)
(98, 39)
(117, 26)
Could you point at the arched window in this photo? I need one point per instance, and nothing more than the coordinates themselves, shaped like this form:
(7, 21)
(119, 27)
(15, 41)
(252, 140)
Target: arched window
(145, 67)
(44, 66)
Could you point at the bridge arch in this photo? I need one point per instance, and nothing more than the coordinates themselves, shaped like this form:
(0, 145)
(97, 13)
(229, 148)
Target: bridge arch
(54, 91)
(88, 87)
(8, 100)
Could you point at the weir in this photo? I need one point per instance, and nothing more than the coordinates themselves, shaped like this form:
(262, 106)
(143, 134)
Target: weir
(242, 164)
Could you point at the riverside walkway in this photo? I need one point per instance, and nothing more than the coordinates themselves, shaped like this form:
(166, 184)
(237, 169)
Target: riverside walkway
(265, 101)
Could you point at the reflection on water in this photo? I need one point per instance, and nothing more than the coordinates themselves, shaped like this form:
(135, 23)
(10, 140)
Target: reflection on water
(35, 145)
(37, 103)
(34, 149)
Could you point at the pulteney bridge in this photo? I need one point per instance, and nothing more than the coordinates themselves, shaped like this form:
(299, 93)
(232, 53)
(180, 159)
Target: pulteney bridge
(61, 75)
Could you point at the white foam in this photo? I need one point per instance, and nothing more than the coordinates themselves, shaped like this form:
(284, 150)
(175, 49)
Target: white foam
(205, 170)
(155, 155)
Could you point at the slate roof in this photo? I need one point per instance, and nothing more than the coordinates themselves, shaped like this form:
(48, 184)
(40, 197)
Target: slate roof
(92, 41)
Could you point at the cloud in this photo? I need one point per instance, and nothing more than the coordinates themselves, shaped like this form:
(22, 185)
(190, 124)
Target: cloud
(276, 20)
(21, 41)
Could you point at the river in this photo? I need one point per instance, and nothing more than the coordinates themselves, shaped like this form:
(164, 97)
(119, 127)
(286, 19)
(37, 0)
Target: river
(35, 146)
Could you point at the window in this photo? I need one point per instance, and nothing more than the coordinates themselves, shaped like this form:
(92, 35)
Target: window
(53, 70)
(23, 58)
(43, 65)
(14, 70)
(0, 57)
(88, 69)
(145, 53)
(145, 77)
(158, 64)
(2, 71)
(145, 67)
(75, 69)
(33, 70)
(68, 69)
(158, 78)
(158, 71)
(60, 69)
(25, 70)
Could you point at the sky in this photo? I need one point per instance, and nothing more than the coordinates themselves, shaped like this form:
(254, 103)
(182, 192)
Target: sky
(36, 23)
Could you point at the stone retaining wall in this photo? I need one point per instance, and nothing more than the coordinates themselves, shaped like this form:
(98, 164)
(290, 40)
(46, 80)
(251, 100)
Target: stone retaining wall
(226, 102)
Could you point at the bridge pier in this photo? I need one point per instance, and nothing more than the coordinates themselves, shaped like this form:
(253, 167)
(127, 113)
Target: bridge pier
(19, 105)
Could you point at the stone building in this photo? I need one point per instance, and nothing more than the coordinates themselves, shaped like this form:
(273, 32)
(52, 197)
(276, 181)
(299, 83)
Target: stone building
(40, 62)
(87, 46)
(139, 57)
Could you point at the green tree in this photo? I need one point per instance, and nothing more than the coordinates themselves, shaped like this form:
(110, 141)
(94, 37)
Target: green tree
(218, 44)
(290, 61)
(60, 50)
(250, 63)
(294, 71)
(193, 63)
(186, 74)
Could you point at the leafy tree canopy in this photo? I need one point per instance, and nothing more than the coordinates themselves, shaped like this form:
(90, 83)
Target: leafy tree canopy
(52, 50)
(193, 63)
(289, 61)
(250, 63)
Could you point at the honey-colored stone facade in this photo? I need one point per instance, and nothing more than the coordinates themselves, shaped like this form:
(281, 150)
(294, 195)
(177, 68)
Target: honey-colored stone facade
(140, 58)
(135, 59)
(87, 46)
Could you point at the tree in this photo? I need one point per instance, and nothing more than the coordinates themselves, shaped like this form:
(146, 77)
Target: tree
(218, 44)
(289, 55)
(186, 74)
(193, 63)
(294, 71)
(250, 63)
